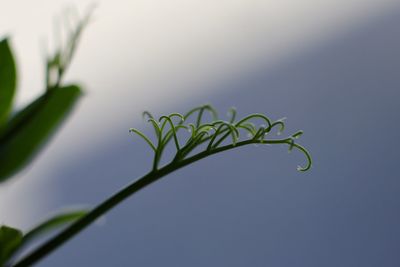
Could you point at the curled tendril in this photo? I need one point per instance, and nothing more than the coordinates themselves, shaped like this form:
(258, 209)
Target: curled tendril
(157, 128)
(297, 135)
(191, 144)
(170, 132)
(200, 111)
(223, 127)
(169, 120)
(232, 130)
(214, 133)
(249, 127)
(307, 154)
(205, 128)
(232, 113)
(132, 130)
(254, 116)
(279, 123)
(260, 134)
(147, 114)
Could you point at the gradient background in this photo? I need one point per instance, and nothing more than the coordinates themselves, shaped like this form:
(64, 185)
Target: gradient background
(331, 67)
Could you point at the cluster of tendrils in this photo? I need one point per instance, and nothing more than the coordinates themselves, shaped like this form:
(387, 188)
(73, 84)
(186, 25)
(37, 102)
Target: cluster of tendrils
(214, 134)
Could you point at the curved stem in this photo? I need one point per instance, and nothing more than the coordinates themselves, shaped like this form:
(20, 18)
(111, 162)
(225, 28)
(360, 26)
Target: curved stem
(123, 194)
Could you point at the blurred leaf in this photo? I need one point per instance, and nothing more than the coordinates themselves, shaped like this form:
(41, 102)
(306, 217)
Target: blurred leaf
(10, 241)
(53, 223)
(7, 80)
(30, 128)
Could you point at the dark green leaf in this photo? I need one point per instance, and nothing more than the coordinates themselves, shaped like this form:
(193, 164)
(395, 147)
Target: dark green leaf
(7, 81)
(53, 223)
(29, 129)
(10, 241)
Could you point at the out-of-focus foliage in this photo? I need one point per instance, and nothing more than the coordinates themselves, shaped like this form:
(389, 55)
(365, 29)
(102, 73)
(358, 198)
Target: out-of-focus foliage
(31, 127)
(53, 223)
(10, 240)
(7, 81)
(24, 132)
(13, 240)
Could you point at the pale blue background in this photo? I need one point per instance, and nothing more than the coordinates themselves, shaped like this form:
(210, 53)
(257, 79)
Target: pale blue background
(250, 207)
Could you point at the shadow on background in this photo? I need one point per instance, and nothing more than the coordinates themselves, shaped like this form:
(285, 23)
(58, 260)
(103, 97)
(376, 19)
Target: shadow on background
(251, 207)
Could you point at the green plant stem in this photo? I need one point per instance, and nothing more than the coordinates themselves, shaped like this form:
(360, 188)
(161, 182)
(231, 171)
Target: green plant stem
(123, 194)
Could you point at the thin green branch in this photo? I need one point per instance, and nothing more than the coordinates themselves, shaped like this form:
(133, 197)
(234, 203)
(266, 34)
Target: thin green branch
(200, 133)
